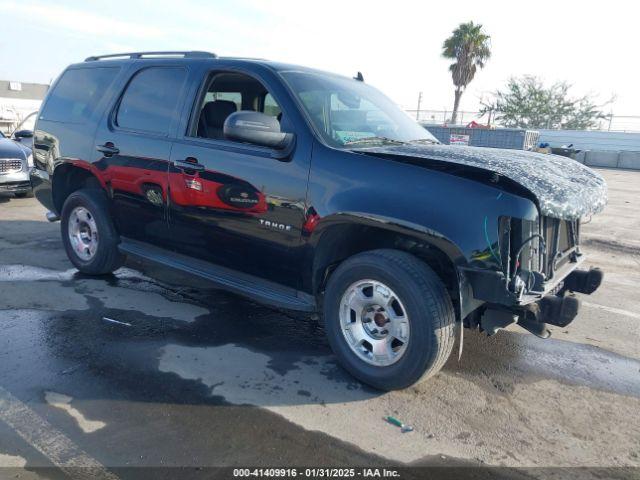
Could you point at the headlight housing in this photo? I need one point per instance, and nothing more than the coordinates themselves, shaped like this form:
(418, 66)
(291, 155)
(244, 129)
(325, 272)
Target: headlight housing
(30, 160)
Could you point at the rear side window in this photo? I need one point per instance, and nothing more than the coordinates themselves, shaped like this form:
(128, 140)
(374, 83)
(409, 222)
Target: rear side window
(77, 93)
(149, 102)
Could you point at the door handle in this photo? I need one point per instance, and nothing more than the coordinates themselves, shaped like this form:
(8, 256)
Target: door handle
(188, 164)
(108, 149)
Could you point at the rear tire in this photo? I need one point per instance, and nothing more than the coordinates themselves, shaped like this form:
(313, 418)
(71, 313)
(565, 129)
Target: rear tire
(421, 313)
(88, 234)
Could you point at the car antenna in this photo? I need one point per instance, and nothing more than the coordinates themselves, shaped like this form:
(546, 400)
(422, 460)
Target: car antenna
(359, 77)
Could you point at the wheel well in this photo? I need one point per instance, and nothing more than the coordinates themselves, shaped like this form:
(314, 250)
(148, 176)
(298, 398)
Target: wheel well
(69, 178)
(344, 241)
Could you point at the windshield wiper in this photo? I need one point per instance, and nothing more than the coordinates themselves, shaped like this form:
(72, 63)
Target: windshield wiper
(378, 140)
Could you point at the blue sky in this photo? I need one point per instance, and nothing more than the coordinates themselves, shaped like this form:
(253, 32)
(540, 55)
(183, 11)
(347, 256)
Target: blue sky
(395, 44)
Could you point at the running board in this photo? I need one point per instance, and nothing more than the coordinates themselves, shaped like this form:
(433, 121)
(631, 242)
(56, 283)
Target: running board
(255, 288)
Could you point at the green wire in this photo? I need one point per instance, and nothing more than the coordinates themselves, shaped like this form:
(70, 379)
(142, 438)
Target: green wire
(486, 236)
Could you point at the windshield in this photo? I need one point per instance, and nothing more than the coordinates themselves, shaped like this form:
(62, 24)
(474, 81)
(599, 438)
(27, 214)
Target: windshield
(349, 113)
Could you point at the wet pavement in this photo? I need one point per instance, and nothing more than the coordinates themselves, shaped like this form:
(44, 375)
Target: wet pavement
(127, 370)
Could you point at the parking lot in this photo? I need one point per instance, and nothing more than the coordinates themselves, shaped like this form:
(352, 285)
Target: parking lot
(127, 370)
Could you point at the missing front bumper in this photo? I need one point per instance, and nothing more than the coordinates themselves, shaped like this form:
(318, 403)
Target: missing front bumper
(558, 309)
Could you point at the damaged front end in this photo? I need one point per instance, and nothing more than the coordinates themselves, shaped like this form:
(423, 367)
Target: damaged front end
(538, 277)
(519, 266)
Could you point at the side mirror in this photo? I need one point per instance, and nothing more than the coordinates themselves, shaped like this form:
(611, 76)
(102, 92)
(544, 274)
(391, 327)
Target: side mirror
(258, 129)
(23, 134)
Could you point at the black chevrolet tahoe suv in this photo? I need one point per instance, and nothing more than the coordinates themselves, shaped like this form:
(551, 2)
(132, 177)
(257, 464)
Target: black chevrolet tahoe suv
(314, 192)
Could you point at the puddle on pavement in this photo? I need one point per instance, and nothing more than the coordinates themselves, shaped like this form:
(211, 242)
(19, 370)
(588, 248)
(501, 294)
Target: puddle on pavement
(240, 353)
(243, 376)
(513, 354)
(507, 359)
(287, 337)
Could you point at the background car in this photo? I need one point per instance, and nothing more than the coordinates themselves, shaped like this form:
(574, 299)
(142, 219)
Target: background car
(16, 162)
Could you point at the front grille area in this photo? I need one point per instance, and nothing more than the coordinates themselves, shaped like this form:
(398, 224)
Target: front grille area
(10, 165)
(541, 246)
(561, 239)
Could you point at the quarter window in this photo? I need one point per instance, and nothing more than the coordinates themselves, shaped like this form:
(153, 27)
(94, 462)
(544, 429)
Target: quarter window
(149, 103)
(77, 93)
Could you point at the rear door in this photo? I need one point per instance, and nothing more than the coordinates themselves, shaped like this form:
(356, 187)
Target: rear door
(133, 147)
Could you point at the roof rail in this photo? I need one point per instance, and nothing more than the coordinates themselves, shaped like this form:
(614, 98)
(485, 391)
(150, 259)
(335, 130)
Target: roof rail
(132, 55)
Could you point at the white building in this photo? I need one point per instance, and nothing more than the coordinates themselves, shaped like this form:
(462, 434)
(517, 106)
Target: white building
(17, 100)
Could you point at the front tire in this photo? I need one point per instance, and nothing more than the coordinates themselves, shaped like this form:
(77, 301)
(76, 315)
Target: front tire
(389, 319)
(88, 234)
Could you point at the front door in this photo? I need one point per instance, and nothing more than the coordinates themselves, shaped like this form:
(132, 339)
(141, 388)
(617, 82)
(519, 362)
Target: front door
(232, 204)
(133, 147)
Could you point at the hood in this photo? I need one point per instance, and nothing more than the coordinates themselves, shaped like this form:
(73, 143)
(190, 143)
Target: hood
(563, 188)
(11, 149)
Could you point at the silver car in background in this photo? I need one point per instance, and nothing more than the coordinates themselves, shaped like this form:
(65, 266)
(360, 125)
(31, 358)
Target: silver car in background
(16, 162)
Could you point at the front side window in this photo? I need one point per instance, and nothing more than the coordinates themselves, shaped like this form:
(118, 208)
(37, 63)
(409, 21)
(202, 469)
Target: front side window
(227, 93)
(235, 97)
(150, 101)
(77, 93)
(270, 106)
(348, 113)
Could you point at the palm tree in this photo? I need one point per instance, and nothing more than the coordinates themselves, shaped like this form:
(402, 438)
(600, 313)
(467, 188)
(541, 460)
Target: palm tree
(470, 47)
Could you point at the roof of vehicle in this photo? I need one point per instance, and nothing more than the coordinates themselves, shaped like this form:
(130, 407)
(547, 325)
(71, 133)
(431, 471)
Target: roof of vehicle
(190, 56)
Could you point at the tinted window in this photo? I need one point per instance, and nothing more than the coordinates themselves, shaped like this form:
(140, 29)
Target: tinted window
(76, 94)
(150, 101)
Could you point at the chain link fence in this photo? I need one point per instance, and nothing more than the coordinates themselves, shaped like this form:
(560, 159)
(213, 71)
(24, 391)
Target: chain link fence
(614, 123)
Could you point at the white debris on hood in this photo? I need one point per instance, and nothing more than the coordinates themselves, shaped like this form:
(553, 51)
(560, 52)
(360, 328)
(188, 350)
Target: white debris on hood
(564, 188)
